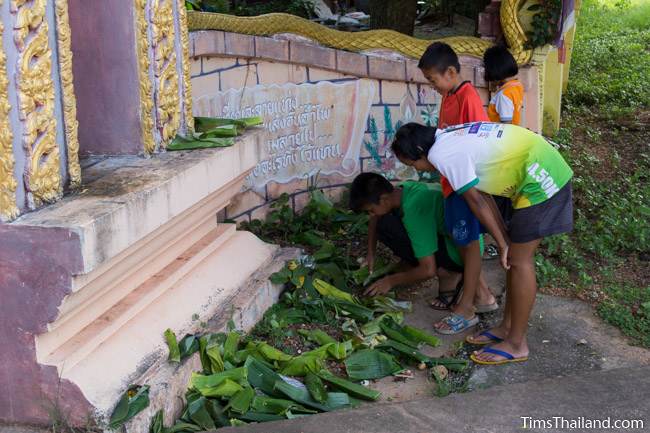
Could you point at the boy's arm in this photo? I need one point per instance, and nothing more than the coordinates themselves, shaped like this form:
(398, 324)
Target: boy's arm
(483, 211)
(425, 269)
(495, 210)
(372, 242)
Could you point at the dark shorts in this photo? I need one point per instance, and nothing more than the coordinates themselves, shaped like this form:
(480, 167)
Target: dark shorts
(461, 222)
(392, 233)
(551, 217)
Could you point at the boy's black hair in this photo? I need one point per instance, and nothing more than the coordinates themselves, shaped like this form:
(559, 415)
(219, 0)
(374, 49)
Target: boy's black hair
(367, 188)
(439, 56)
(413, 141)
(499, 63)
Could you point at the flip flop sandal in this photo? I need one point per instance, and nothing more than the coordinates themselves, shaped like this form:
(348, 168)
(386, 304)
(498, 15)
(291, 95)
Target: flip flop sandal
(457, 324)
(487, 308)
(492, 339)
(508, 357)
(491, 252)
(448, 298)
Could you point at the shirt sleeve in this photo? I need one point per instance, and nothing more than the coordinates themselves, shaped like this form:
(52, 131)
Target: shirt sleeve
(504, 106)
(456, 166)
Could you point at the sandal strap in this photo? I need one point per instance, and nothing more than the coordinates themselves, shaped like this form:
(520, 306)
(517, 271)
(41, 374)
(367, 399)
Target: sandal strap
(494, 351)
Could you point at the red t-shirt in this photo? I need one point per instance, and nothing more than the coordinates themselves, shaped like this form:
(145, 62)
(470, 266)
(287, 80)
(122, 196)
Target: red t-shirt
(461, 106)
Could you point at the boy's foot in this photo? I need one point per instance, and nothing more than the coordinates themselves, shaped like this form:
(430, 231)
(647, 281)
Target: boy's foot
(444, 301)
(492, 336)
(500, 353)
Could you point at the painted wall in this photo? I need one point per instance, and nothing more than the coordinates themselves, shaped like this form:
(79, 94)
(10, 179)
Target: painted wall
(225, 63)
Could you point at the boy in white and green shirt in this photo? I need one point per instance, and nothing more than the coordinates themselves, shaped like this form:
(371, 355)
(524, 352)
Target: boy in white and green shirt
(482, 159)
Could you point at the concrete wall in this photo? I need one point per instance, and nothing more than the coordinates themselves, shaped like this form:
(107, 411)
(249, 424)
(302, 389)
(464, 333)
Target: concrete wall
(226, 61)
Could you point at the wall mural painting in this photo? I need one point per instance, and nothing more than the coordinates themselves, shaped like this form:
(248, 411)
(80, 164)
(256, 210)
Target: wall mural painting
(309, 129)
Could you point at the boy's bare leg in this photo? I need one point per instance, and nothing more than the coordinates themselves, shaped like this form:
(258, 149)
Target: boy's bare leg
(471, 255)
(447, 281)
(484, 295)
(521, 297)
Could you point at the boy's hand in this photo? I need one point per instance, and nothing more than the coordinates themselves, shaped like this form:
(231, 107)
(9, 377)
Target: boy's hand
(380, 287)
(503, 256)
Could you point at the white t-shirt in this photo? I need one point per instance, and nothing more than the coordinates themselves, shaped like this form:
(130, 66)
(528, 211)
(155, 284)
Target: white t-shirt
(500, 159)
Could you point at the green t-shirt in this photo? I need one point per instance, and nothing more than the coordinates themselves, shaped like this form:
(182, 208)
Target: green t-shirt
(423, 216)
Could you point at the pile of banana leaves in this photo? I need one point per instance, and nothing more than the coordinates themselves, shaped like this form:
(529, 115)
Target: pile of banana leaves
(245, 380)
(213, 132)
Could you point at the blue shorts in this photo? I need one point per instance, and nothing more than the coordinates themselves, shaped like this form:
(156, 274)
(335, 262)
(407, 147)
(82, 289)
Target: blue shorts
(461, 222)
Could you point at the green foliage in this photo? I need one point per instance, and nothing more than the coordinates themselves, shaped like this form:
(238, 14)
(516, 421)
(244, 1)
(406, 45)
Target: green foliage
(628, 307)
(544, 23)
(610, 65)
(302, 8)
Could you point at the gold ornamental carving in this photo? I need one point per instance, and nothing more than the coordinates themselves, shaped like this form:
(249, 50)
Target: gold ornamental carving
(35, 90)
(165, 69)
(67, 89)
(185, 45)
(8, 208)
(271, 24)
(146, 87)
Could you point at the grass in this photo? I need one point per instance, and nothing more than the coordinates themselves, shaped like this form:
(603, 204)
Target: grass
(604, 136)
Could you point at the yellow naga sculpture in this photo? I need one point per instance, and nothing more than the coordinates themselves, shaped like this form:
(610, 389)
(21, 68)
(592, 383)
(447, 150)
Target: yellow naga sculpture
(270, 24)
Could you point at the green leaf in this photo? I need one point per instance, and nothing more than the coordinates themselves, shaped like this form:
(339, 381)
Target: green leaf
(183, 427)
(271, 353)
(172, 344)
(385, 304)
(351, 388)
(188, 346)
(302, 396)
(224, 384)
(371, 364)
(261, 376)
(230, 346)
(534, 7)
(315, 387)
(303, 364)
(156, 425)
(421, 336)
(132, 402)
(327, 290)
(241, 402)
(395, 332)
(199, 414)
(326, 251)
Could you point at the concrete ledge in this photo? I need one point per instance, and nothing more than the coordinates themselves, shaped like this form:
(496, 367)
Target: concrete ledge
(129, 197)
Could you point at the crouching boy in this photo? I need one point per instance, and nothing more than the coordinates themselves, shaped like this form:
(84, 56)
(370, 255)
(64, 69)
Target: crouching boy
(408, 219)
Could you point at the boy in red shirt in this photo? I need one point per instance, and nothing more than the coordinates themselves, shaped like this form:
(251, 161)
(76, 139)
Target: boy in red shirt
(461, 103)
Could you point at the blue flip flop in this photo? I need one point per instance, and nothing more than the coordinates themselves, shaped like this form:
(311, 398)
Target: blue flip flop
(492, 339)
(508, 357)
(457, 324)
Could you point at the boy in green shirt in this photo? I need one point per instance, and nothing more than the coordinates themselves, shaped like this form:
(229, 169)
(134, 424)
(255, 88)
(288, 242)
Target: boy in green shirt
(409, 220)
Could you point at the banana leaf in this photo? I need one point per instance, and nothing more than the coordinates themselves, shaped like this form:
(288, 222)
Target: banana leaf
(351, 388)
(261, 376)
(303, 364)
(317, 336)
(198, 142)
(316, 387)
(172, 344)
(371, 364)
(355, 311)
(452, 364)
(394, 332)
(230, 346)
(210, 353)
(198, 413)
(224, 384)
(372, 327)
(261, 417)
(156, 425)
(327, 290)
(421, 336)
(385, 304)
(234, 422)
(271, 353)
(132, 402)
(326, 251)
(276, 406)
(302, 396)
(188, 346)
(241, 402)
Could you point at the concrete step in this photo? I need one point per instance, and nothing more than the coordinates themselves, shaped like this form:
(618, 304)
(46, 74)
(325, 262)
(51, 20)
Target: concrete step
(617, 394)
